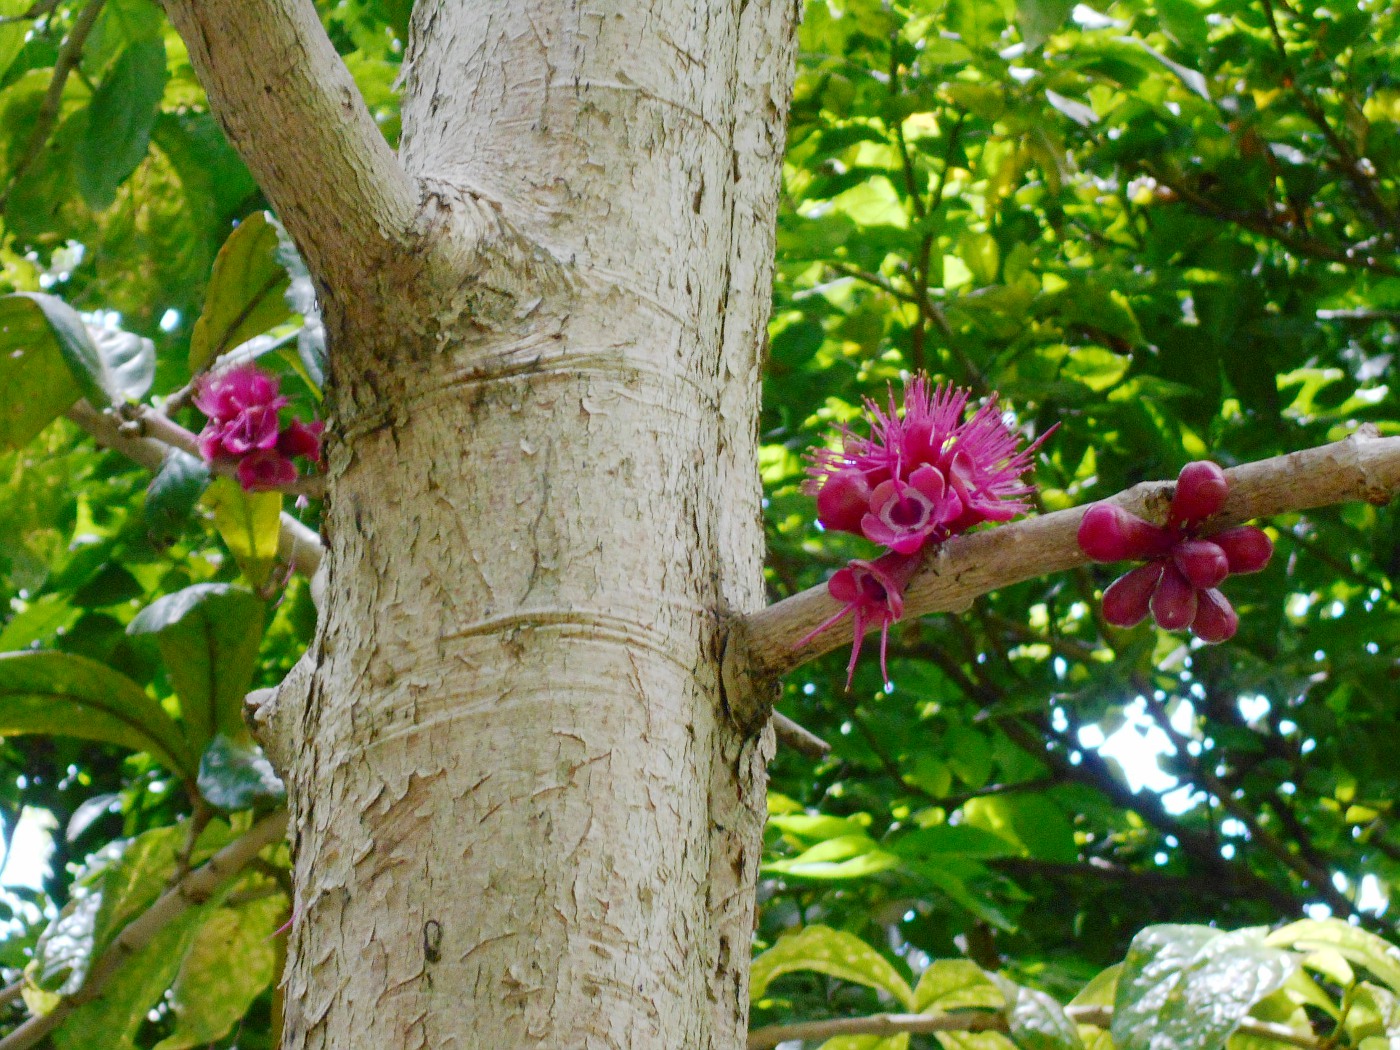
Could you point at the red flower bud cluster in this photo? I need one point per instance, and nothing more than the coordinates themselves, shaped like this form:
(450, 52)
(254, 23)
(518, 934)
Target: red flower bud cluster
(244, 407)
(1179, 585)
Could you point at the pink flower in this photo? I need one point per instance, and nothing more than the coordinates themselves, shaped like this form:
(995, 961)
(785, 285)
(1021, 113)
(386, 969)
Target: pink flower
(252, 430)
(871, 592)
(266, 469)
(230, 393)
(904, 514)
(244, 407)
(923, 475)
(301, 439)
(979, 462)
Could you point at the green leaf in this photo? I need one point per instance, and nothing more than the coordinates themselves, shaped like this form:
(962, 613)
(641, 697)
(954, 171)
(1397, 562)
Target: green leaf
(956, 984)
(60, 694)
(33, 371)
(173, 494)
(867, 1042)
(1032, 820)
(1100, 990)
(1357, 946)
(235, 775)
(111, 368)
(957, 840)
(844, 857)
(1156, 959)
(1188, 988)
(39, 622)
(832, 952)
(126, 364)
(112, 1020)
(12, 34)
(231, 960)
(250, 523)
(209, 635)
(1039, 18)
(118, 883)
(1035, 1020)
(119, 120)
(246, 292)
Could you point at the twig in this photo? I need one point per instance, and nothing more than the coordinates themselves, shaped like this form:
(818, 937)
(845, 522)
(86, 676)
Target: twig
(68, 58)
(36, 11)
(801, 740)
(193, 890)
(11, 992)
(1362, 467)
(297, 545)
(1352, 256)
(976, 1021)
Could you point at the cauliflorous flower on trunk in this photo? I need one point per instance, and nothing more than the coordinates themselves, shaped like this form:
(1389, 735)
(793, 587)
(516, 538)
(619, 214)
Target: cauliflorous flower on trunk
(244, 406)
(979, 462)
(871, 592)
(923, 475)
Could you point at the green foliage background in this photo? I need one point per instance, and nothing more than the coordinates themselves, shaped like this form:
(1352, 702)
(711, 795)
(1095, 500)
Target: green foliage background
(1167, 226)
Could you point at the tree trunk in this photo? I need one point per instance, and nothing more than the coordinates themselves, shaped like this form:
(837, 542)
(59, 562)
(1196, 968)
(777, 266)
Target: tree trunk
(522, 817)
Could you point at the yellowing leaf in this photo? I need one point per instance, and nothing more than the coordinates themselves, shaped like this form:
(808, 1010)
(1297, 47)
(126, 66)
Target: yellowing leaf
(249, 523)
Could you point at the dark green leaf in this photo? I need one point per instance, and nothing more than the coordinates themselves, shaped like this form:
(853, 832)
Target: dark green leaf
(246, 293)
(209, 636)
(173, 494)
(235, 775)
(119, 121)
(61, 694)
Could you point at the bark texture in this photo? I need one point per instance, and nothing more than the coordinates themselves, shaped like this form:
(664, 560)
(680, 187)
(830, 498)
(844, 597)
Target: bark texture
(522, 816)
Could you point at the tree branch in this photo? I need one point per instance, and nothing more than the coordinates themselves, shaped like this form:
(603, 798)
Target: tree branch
(976, 1021)
(1363, 466)
(799, 738)
(291, 109)
(191, 891)
(68, 58)
(297, 545)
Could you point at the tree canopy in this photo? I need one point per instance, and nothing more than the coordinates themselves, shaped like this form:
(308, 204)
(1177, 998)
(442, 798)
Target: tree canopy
(1166, 228)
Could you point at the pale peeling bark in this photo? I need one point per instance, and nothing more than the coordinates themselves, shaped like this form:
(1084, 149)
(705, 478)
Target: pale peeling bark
(522, 817)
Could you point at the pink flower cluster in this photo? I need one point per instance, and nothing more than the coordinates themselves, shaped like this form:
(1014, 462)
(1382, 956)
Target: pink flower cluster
(922, 476)
(244, 407)
(1179, 584)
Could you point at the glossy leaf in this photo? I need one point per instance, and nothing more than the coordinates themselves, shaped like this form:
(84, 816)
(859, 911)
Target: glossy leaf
(832, 952)
(67, 695)
(174, 492)
(236, 775)
(119, 121)
(246, 292)
(209, 636)
(1190, 990)
(1035, 1020)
